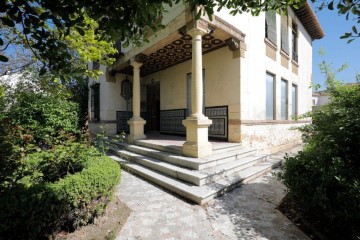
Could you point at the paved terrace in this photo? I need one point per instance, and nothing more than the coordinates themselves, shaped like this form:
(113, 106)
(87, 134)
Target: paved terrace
(247, 212)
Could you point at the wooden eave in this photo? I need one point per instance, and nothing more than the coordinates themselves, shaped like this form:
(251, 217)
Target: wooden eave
(309, 20)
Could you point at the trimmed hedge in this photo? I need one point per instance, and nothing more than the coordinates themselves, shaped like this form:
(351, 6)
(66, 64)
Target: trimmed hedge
(37, 211)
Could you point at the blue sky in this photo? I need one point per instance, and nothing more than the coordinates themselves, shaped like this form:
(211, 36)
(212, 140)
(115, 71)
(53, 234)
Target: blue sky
(337, 51)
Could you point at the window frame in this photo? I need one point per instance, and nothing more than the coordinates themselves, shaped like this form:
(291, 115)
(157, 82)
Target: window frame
(273, 96)
(95, 102)
(269, 27)
(294, 41)
(286, 105)
(294, 100)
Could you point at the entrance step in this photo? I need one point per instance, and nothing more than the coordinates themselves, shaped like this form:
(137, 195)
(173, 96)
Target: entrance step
(193, 163)
(198, 194)
(197, 179)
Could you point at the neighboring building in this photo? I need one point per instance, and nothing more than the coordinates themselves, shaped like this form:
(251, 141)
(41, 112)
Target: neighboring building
(248, 76)
(320, 98)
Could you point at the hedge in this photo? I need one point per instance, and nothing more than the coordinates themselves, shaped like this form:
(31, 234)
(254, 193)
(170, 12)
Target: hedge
(42, 209)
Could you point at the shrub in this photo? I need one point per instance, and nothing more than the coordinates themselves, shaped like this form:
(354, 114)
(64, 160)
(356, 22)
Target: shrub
(36, 209)
(325, 177)
(46, 117)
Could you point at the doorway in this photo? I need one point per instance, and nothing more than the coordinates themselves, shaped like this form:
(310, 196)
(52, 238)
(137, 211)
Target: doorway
(153, 106)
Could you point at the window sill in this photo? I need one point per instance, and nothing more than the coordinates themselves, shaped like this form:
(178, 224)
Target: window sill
(294, 62)
(270, 44)
(285, 55)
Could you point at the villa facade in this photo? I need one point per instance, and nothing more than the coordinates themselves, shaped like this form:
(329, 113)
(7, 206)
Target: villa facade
(232, 78)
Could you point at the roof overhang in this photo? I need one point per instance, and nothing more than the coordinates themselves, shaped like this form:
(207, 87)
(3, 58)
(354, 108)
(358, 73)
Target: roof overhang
(309, 20)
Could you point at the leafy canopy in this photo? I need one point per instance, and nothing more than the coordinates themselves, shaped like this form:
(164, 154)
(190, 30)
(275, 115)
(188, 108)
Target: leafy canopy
(55, 31)
(46, 27)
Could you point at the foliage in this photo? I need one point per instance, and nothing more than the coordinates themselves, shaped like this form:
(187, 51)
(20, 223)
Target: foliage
(35, 209)
(54, 31)
(349, 9)
(50, 176)
(325, 176)
(45, 117)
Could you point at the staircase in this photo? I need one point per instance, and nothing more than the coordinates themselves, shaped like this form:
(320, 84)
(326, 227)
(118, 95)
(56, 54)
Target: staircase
(198, 180)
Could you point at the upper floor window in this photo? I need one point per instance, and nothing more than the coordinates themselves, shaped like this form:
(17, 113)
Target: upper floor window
(270, 26)
(294, 43)
(284, 34)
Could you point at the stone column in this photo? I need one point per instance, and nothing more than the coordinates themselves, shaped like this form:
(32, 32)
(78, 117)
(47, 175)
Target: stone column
(197, 144)
(136, 122)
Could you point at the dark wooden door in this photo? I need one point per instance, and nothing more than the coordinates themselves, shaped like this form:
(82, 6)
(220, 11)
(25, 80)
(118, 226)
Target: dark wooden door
(153, 106)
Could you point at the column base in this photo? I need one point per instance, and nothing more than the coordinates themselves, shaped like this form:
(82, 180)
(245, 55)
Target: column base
(197, 144)
(136, 129)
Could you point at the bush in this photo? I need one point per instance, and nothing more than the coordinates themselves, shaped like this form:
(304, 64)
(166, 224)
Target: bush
(325, 177)
(35, 209)
(50, 178)
(45, 117)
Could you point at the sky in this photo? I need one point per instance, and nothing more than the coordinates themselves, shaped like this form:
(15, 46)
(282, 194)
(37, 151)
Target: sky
(337, 51)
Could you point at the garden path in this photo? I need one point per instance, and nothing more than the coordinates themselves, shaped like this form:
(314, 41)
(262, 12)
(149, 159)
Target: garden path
(247, 212)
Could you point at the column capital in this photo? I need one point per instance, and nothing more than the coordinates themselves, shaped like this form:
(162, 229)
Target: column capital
(136, 65)
(197, 27)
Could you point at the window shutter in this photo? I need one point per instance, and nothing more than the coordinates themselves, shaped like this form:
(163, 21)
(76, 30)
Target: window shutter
(270, 18)
(284, 34)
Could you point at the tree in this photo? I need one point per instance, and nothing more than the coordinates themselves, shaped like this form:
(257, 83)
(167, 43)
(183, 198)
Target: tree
(44, 25)
(324, 178)
(351, 9)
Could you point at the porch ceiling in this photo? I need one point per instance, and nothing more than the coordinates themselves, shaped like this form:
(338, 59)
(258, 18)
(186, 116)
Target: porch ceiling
(175, 49)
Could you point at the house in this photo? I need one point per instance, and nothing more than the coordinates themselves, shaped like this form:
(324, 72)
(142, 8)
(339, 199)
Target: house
(320, 98)
(237, 79)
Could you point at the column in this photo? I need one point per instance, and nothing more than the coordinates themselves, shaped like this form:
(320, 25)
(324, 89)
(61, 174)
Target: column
(197, 143)
(136, 122)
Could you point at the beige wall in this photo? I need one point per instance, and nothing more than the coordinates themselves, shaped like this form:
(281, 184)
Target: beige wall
(222, 85)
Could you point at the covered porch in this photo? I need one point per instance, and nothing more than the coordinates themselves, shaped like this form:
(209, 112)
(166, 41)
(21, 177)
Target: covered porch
(184, 39)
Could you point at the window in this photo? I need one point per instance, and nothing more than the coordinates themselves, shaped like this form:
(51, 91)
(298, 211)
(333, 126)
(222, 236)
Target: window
(270, 83)
(270, 26)
(284, 34)
(284, 99)
(96, 66)
(95, 102)
(294, 44)
(188, 97)
(294, 100)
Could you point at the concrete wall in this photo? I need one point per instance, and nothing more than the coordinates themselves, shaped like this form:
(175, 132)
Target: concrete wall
(270, 138)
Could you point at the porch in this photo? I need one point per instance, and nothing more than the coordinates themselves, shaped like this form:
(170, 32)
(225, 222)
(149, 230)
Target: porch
(180, 108)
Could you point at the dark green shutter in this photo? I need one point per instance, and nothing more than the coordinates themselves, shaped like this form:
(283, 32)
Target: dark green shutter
(284, 34)
(270, 18)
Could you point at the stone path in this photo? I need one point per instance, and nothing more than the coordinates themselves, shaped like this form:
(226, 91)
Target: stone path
(247, 212)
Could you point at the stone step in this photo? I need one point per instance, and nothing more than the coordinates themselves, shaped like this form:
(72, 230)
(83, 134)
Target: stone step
(195, 177)
(217, 148)
(192, 163)
(164, 148)
(198, 194)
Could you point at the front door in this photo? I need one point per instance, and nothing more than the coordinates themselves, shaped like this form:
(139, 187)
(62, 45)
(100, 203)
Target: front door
(153, 106)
